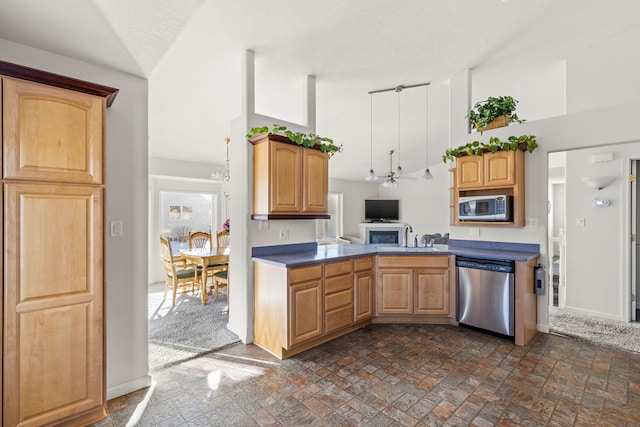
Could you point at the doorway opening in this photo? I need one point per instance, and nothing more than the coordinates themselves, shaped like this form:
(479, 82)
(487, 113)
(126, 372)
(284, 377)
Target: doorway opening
(188, 328)
(635, 253)
(556, 229)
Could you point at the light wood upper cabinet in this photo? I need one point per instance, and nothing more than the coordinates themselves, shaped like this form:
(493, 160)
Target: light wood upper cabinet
(489, 170)
(469, 172)
(499, 173)
(499, 169)
(51, 134)
(289, 181)
(315, 171)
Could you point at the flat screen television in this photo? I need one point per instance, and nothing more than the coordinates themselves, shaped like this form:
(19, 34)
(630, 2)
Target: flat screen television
(381, 210)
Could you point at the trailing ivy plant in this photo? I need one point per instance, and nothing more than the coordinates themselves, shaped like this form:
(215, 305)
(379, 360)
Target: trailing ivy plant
(306, 140)
(528, 142)
(484, 112)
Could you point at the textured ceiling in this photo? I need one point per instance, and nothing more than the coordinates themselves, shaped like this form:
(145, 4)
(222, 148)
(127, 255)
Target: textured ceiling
(191, 51)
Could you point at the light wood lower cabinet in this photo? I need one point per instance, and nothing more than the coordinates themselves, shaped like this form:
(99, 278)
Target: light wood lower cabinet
(298, 308)
(364, 288)
(305, 304)
(395, 291)
(431, 291)
(415, 288)
(338, 301)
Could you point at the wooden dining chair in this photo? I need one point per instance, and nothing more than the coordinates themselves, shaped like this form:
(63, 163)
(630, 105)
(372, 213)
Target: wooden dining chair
(222, 239)
(199, 239)
(221, 284)
(220, 280)
(176, 275)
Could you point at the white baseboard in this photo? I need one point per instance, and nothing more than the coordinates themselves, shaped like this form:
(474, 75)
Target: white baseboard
(244, 337)
(591, 313)
(128, 387)
(542, 328)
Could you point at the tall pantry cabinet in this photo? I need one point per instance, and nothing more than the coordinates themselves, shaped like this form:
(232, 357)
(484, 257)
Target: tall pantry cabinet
(53, 187)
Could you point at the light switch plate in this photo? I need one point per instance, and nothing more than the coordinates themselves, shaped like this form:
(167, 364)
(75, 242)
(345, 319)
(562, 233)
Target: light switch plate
(580, 222)
(116, 228)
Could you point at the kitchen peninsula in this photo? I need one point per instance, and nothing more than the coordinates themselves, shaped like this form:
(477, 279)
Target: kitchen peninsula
(307, 294)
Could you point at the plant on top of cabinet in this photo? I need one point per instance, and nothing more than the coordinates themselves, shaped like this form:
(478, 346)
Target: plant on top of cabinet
(493, 113)
(325, 145)
(513, 143)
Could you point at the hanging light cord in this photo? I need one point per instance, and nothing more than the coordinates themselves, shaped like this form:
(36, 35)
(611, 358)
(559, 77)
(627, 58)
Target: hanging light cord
(371, 121)
(399, 157)
(427, 124)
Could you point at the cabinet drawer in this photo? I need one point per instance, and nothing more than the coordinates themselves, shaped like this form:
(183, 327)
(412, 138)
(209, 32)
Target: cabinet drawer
(339, 299)
(302, 274)
(440, 261)
(339, 318)
(337, 284)
(335, 268)
(365, 263)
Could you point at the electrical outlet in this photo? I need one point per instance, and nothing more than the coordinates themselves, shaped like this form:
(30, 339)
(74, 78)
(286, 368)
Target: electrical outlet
(284, 234)
(474, 231)
(532, 223)
(580, 222)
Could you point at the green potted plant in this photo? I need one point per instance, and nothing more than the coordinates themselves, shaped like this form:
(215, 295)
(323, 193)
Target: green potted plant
(493, 113)
(523, 142)
(325, 145)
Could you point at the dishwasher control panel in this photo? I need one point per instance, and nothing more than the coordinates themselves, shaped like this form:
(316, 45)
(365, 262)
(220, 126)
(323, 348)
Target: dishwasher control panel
(483, 264)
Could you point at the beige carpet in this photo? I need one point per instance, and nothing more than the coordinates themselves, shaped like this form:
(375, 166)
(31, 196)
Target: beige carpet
(608, 333)
(187, 330)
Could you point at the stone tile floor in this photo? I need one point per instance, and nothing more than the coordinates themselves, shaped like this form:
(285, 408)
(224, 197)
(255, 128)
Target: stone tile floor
(399, 375)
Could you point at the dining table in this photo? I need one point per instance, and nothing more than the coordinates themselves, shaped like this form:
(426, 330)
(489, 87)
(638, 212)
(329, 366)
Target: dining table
(205, 257)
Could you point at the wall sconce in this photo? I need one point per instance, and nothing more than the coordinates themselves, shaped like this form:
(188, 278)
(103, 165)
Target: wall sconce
(599, 182)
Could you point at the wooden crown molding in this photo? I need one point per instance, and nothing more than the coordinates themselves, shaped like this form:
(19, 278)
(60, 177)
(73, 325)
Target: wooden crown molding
(38, 76)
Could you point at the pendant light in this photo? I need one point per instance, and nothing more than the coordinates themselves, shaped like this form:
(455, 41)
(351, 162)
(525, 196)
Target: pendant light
(399, 170)
(427, 173)
(223, 175)
(371, 176)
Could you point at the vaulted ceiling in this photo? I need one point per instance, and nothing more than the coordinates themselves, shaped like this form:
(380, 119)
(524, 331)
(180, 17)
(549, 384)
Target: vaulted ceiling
(190, 51)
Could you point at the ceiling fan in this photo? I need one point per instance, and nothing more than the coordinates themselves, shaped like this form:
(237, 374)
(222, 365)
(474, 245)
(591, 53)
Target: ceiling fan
(391, 177)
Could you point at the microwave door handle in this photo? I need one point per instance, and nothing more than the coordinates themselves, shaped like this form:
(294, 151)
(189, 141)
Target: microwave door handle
(472, 207)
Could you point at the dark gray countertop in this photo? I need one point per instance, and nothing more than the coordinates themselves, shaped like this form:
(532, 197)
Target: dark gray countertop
(311, 253)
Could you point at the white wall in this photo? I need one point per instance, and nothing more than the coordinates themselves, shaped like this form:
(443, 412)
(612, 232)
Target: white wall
(424, 204)
(597, 290)
(126, 258)
(353, 193)
(606, 74)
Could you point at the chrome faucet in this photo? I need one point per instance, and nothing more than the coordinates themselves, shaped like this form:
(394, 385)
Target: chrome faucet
(427, 240)
(407, 229)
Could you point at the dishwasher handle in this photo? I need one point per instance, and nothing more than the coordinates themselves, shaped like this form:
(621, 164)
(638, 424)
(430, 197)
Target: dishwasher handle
(486, 264)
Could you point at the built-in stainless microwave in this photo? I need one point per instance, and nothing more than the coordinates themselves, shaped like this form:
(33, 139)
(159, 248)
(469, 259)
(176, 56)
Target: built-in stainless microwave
(486, 208)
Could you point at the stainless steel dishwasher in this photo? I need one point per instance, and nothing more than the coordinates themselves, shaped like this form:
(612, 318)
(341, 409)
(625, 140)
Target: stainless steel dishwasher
(486, 294)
